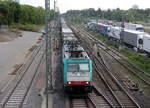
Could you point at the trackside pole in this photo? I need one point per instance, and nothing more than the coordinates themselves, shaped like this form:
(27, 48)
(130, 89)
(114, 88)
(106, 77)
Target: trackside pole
(48, 51)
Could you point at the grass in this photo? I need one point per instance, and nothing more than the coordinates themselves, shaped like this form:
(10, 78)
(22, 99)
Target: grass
(27, 27)
(147, 30)
(140, 61)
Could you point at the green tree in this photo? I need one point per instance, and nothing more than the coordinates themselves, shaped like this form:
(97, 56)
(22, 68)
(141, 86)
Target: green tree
(3, 14)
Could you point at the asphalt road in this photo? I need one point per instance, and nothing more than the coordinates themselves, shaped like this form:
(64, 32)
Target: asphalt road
(13, 52)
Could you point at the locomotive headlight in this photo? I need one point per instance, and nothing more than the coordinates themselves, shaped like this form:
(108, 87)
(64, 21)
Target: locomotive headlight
(69, 82)
(87, 82)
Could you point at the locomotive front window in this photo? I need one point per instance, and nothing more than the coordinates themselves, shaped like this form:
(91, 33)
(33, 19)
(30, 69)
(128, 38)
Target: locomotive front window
(83, 67)
(76, 67)
(73, 68)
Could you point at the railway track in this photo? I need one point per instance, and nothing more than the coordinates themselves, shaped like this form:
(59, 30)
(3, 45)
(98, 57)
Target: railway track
(100, 82)
(91, 100)
(16, 95)
(78, 102)
(145, 77)
(122, 98)
(115, 93)
(99, 100)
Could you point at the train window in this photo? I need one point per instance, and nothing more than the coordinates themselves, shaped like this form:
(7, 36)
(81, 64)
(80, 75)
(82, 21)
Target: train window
(83, 67)
(72, 67)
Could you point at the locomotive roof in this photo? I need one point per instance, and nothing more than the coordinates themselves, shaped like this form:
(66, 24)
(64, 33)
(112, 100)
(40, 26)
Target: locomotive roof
(74, 52)
(69, 39)
(66, 30)
(69, 36)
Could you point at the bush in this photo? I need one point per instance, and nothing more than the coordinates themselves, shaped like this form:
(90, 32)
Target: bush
(27, 27)
(141, 61)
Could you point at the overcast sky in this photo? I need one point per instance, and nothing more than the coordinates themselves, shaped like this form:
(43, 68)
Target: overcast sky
(65, 5)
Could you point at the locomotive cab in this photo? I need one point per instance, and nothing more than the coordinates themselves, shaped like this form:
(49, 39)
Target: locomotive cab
(78, 76)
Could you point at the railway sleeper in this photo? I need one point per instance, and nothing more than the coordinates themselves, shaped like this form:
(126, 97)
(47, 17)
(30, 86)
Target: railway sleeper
(99, 101)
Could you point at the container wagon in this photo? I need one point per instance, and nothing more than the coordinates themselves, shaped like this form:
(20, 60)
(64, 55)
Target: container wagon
(115, 33)
(133, 39)
(146, 44)
(136, 27)
(104, 29)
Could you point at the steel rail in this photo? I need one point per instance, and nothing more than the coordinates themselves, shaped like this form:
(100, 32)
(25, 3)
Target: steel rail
(104, 65)
(21, 77)
(126, 65)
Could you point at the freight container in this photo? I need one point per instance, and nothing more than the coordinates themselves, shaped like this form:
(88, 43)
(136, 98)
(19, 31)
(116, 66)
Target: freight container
(131, 26)
(104, 29)
(115, 32)
(146, 43)
(133, 38)
(93, 26)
